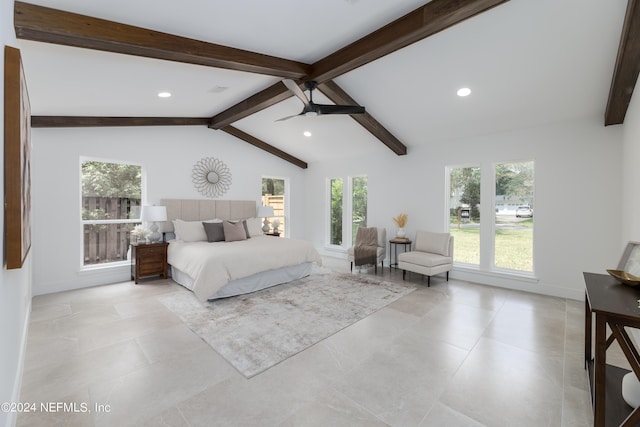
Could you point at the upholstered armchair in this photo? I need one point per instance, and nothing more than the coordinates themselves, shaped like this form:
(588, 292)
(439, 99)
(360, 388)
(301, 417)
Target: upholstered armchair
(432, 254)
(381, 250)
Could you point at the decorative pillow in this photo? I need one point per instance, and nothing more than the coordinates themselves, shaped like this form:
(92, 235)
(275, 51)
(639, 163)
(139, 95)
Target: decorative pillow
(189, 231)
(214, 231)
(234, 231)
(254, 227)
(244, 224)
(435, 243)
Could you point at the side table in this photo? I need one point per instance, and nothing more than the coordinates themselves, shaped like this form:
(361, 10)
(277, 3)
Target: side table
(393, 254)
(148, 259)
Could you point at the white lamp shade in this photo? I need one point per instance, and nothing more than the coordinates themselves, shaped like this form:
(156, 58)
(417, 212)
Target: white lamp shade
(154, 213)
(265, 211)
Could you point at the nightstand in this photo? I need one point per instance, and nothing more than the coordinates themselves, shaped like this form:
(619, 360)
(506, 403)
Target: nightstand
(148, 259)
(273, 234)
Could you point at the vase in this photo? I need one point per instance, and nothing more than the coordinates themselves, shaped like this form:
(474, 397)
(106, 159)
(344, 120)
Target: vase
(400, 232)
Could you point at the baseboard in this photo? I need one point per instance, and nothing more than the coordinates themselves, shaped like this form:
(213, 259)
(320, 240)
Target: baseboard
(85, 279)
(17, 385)
(525, 284)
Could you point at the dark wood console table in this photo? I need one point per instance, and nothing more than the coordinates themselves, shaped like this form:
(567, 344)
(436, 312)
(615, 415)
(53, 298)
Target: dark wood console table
(615, 305)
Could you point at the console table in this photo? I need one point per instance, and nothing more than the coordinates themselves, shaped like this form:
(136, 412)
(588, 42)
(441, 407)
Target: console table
(615, 305)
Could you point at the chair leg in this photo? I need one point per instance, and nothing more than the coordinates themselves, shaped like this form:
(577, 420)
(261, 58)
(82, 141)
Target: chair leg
(375, 268)
(404, 273)
(447, 276)
(428, 281)
(351, 265)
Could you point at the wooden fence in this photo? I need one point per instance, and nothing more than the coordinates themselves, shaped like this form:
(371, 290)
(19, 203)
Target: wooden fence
(108, 242)
(277, 202)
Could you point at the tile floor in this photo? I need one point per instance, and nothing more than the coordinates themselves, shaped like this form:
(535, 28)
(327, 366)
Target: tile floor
(454, 354)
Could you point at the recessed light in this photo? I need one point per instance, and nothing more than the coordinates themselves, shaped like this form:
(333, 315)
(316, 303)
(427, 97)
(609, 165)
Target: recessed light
(307, 133)
(464, 91)
(164, 94)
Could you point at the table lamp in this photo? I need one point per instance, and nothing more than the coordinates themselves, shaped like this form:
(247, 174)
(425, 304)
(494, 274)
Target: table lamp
(152, 214)
(265, 212)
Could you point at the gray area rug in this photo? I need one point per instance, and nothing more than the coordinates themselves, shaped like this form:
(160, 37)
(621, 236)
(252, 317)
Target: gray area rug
(257, 331)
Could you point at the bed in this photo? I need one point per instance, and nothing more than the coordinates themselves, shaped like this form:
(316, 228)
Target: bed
(222, 269)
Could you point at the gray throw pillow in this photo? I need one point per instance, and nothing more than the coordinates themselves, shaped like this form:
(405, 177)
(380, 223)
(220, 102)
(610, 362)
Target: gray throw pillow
(234, 232)
(214, 230)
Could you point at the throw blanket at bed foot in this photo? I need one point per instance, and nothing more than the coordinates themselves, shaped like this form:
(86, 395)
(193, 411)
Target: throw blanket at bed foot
(256, 331)
(365, 252)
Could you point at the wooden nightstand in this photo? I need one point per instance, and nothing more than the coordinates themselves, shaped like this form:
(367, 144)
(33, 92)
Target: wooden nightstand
(148, 259)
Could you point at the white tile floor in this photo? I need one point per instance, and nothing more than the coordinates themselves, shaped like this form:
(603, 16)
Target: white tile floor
(454, 354)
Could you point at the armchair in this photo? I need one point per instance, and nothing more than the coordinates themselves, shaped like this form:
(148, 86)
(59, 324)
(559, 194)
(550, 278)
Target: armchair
(433, 254)
(381, 250)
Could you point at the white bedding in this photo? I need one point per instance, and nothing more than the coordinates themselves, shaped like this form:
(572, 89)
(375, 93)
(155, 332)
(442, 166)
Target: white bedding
(213, 265)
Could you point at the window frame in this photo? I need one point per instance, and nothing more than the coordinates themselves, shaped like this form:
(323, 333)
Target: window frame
(488, 227)
(286, 216)
(83, 222)
(347, 211)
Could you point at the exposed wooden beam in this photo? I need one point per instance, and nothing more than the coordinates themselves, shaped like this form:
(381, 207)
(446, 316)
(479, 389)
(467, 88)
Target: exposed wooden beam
(48, 25)
(627, 67)
(258, 102)
(86, 121)
(423, 22)
(264, 146)
(339, 96)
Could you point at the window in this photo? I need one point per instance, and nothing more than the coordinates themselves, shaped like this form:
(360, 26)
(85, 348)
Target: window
(111, 201)
(335, 212)
(464, 213)
(350, 210)
(358, 205)
(506, 243)
(274, 192)
(513, 238)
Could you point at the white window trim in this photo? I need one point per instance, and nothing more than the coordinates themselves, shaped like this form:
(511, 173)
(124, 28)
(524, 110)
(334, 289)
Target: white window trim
(143, 201)
(488, 228)
(327, 232)
(347, 212)
(287, 201)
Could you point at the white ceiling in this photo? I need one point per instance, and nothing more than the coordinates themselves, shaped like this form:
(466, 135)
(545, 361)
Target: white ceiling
(528, 62)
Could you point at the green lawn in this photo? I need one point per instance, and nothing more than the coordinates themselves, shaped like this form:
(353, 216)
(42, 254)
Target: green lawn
(514, 248)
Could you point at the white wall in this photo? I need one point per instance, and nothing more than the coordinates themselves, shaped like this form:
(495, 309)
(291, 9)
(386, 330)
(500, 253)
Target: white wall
(167, 155)
(15, 285)
(631, 173)
(577, 196)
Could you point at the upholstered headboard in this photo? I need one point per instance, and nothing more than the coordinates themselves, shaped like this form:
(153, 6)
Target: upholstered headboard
(202, 210)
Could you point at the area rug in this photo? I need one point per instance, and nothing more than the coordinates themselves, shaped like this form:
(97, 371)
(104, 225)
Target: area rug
(257, 331)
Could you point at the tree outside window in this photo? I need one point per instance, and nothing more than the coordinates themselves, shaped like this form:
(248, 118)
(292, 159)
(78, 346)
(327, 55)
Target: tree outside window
(335, 214)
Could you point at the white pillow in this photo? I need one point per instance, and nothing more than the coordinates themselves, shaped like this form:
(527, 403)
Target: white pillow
(254, 225)
(189, 231)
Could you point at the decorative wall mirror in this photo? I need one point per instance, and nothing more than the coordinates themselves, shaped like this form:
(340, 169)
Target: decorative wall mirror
(211, 177)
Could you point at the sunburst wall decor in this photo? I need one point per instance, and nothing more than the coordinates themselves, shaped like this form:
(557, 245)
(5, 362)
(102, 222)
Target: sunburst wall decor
(211, 177)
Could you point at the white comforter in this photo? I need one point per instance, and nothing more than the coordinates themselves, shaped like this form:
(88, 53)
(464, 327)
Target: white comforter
(213, 265)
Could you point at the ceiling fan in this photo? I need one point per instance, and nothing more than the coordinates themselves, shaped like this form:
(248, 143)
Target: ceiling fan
(311, 109)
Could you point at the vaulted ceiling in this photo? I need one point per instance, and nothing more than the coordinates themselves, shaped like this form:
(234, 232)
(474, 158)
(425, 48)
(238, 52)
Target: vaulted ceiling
(527, 63)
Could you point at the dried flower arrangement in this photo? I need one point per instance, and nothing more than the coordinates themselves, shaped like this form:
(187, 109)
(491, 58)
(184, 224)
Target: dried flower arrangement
(140, 232)
(401, 220)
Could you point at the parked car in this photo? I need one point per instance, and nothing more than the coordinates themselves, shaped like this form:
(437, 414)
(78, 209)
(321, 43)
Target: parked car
(524, 211)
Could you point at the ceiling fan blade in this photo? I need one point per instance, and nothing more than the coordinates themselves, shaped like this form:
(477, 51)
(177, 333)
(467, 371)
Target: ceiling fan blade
(295, 89)
(339, 109)
(287, 118)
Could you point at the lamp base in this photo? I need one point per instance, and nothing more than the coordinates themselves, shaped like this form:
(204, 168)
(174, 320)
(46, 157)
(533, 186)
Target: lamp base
(265, 226)
(155, 235)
